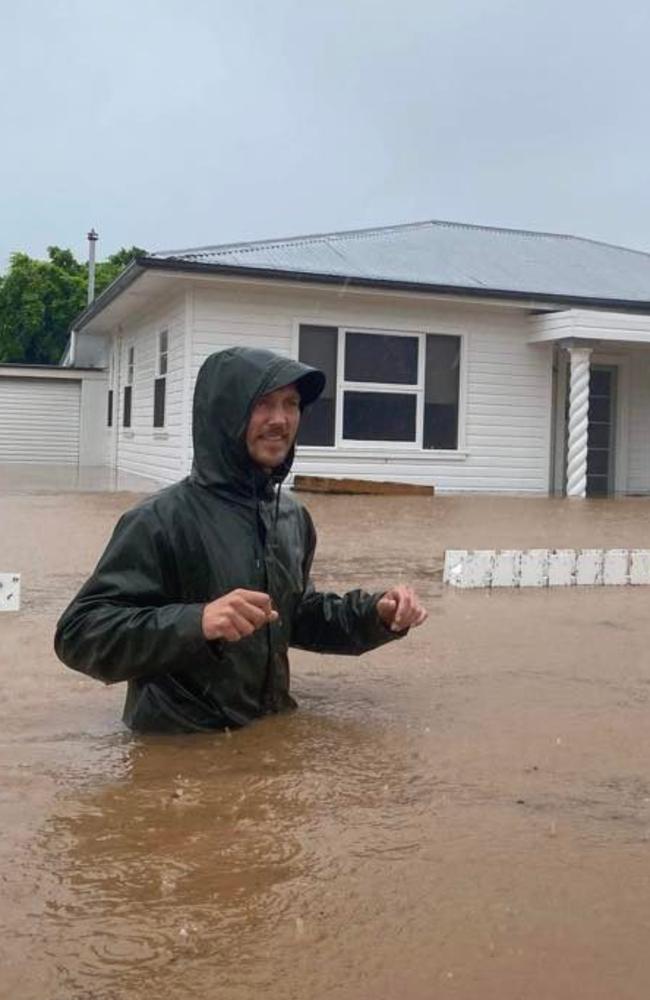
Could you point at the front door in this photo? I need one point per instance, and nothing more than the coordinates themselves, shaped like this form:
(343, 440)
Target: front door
(602, 430)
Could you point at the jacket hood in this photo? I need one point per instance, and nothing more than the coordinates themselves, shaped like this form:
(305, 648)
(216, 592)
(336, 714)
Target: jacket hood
(226, 388)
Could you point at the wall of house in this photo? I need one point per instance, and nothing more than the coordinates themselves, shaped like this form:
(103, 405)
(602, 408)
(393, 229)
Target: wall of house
(159, 453)
(93, 444)
(506, 388)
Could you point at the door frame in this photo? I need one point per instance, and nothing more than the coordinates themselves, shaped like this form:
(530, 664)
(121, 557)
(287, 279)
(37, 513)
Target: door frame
(622, 363)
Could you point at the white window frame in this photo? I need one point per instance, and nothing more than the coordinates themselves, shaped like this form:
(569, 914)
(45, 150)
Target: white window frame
(386, 388)
(369, 448)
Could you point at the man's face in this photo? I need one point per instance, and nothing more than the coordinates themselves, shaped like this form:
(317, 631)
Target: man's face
(273, 426)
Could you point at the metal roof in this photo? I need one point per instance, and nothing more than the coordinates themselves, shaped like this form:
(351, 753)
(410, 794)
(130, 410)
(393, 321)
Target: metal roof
(446, 254)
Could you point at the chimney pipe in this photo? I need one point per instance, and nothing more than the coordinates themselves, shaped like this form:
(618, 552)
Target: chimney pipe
(92, 239)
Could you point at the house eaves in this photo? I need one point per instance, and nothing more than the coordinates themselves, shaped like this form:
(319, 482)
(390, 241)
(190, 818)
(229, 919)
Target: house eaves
(124, 280)
(532, 299)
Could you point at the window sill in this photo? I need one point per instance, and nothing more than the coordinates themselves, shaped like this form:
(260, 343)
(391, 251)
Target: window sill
(388, 454)
(161, 435)
(128, 434)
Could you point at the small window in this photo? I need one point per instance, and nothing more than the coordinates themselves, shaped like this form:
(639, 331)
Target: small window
(159, 402)
(109, 416)
(163, 350)
(130, 367)
(159, 383)
(318, 347)
(126, 417)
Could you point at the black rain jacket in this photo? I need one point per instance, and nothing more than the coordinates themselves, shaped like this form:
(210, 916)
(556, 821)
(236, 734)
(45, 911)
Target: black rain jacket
(138, 617)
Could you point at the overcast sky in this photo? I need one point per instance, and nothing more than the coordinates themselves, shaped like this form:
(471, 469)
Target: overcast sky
(178, 123)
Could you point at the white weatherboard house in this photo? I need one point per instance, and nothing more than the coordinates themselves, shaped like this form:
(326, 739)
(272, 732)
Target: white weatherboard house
(472, 358)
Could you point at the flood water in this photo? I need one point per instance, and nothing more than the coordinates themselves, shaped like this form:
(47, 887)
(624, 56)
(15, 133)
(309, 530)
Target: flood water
(463, 814)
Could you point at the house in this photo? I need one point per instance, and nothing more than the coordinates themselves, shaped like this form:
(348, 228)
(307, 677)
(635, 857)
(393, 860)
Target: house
(478, 359)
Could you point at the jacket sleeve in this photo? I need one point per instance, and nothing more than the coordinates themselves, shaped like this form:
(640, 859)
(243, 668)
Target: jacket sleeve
(124, 622)
(346, 624)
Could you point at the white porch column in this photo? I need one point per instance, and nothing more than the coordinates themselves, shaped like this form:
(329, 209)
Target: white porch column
(578, 422)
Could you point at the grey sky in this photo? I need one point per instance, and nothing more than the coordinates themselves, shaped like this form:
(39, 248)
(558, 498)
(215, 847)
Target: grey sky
(174, 124)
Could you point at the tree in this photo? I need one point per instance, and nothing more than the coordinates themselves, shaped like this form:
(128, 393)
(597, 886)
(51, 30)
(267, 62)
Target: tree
(39, 299)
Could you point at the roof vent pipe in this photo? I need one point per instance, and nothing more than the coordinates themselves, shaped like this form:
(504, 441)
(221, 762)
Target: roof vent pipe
(92, 239)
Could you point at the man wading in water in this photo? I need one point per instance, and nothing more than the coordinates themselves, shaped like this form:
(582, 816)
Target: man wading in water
(204, 586)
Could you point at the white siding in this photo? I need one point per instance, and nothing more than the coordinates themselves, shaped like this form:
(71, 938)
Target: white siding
(156, 452)
(506, 395)
(39, 420)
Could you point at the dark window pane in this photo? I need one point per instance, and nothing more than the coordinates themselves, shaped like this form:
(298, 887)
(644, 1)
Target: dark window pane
(380, 357)
(599, 408)
(597, 462)
(597, 486)
(599, 435)
(109, 420)
(318, 347)
(159, 402)
(600, 382)
(441, 381)
(128, 393)
(378, 416)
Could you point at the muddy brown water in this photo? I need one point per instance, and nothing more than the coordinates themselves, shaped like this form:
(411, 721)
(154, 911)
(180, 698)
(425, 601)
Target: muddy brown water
(463, 814)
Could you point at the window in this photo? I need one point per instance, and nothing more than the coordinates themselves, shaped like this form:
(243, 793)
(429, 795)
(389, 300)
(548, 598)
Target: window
(128, 388)
(382, 388)
(159, 402)
(109, 416)
(128, 396)
(318, 347)
(159, 387)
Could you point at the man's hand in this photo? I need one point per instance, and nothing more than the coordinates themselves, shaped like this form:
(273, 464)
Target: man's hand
(237, 614)
(400, 609)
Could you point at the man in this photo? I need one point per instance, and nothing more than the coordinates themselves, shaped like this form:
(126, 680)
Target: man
(205, 585)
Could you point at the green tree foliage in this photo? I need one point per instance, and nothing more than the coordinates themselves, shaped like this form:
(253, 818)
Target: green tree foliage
(39, 299)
